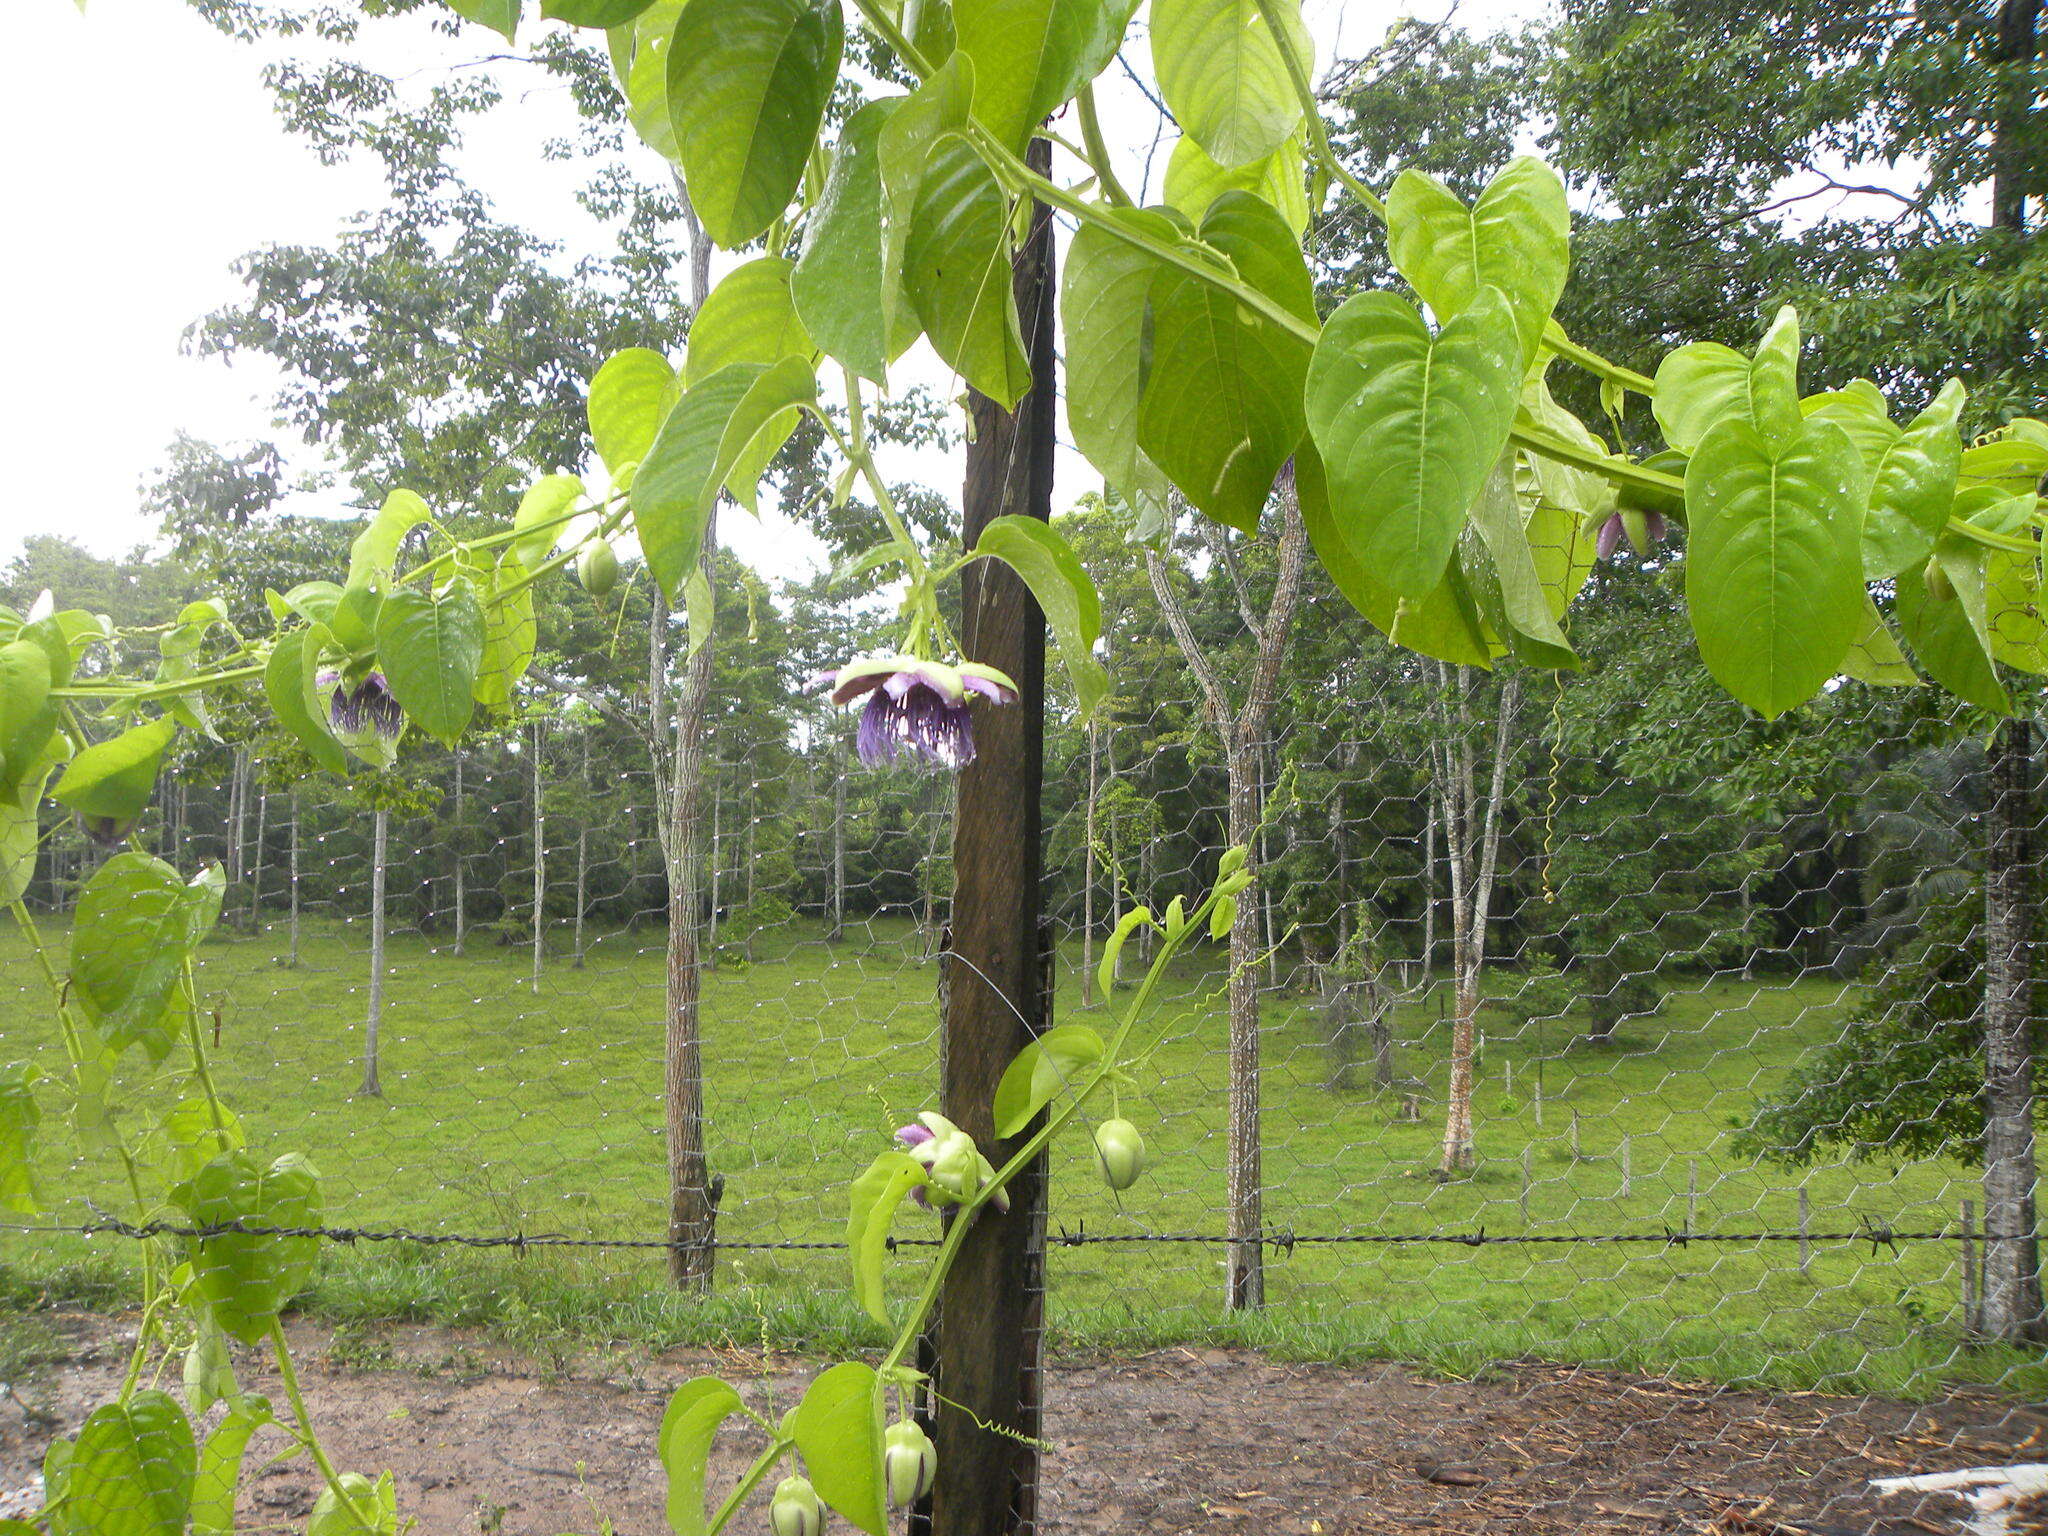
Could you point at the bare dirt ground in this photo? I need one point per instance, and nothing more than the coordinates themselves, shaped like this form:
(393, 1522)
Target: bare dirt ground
(1180, 1441)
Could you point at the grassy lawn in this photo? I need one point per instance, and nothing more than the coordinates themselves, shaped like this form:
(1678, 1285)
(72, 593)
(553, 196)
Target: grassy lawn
(509, 1110)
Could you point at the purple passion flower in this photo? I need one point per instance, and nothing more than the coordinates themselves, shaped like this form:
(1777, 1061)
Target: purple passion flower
(1643, 530)
(949, 1156)
(915, 705)
(366, 719)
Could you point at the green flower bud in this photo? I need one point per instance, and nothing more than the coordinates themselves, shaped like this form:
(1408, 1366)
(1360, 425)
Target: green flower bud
(795, 1511)
(597, 568)
(1939, 587)
(912, 1462)
(1233, 860)
(1119, 1153)
(1221, 916)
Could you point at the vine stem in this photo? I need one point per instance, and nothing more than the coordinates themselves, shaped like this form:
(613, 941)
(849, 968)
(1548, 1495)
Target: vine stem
(199, 1065)
(753, 1478)
(289, 1374)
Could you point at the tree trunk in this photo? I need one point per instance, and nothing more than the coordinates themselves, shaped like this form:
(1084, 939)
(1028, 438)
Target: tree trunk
(461, 860)
(2012, 1306)
(1088, 870)
(256, 864)
(582, 854)
(691, 1214)
(380, 844)
(540, 862)
(838, 839)
(988, 1326)
(294, 961)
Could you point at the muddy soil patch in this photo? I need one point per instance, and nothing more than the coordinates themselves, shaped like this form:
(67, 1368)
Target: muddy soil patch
(1179, 1441)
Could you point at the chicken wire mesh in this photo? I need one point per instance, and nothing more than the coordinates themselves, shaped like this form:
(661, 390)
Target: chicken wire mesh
(1700, 933)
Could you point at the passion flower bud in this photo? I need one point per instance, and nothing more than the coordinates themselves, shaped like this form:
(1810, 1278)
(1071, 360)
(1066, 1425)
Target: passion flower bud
(955, 1166)
(108, 831)
(795, 1511)
(912, 1462)
(597, 568)
(365, 719)
(1119, 1153)
(1939, 587)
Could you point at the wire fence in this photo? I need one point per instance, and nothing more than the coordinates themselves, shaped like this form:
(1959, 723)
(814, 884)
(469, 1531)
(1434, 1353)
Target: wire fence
(1705, 939)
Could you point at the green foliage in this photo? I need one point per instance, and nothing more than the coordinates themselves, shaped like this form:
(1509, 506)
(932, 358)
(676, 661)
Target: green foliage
(688, 1426)
(129, 1472)
(838, 1430)
(1048, 1066)
(247, 1279)
(1224, 77)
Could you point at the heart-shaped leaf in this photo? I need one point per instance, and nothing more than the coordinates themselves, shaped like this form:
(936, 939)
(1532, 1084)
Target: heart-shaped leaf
(1951, 632)
(1102, 308)
(1194, 181)
(137, 924)
(28, 718)
(956, 272)
(430, 645)
(1031, 56)
(1223, 75)
(748, 81)
(220, 1465)
(843, 295)
(1052, 1064)
(247, 1279)
(630, 398)
(113, 780)
(871, 1206)
(1516, 237)
(749, 317)
(130, 1470)
(838, 1428)
(688, 1426)
(1774, 565)
(1409, 424)
(1911, 488)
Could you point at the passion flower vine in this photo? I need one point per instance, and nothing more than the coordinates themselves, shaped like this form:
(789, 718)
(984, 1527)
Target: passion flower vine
(915, 706)
(1643, 530)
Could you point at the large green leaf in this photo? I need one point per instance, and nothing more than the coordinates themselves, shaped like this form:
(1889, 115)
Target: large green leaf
(130, 1471)
(374, 555)
(543, 516)
(113, 780)
(288, 686)
(749, 317)
(430, 646)
(761, 423)
(248, 1278)
(1194, 181)
(942, 105)
(1409, 424)
(20, 837)
(839, 286)
(670, 505)
(1703, 383)
(1445, 624)
(1911, 487)
(1222, 409)
(838, 1428)
(220, 1465)
(593, 13)
(19, 1117)
(1859, 409)
(1065, 594)
(1048, 1066)
(630, 398)
(871, 1206)
(1031, 56)
(1874, 656)
(688, 1426)
(511, 635)
(1516, 237)
(1949, 629)
(1774, 565)
(1102, 306)
(956, 272)
(1527, 622)
(640, 60)
(137, 924)
(28, 716)
(1223, 76)
(748, 81)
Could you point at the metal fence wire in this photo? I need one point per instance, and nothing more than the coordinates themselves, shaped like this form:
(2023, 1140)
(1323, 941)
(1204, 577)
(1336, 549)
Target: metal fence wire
(1682, 940)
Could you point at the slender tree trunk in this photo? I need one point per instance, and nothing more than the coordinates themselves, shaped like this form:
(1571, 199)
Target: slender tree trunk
(582, 854)
(295, 877)
(380, 846)
(238, 799)
(461, 859)
(838, 839)
(1088, 870)
(691, 1213)
(540, 862)
(256, 865)
(2012, 1307)
(1242, 731)
(1429, 891)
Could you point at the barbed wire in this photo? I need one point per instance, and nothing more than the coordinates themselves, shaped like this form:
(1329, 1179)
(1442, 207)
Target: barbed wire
(1877, 1234)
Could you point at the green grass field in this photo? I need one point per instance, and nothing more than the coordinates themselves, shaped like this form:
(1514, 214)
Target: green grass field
(508, 1111)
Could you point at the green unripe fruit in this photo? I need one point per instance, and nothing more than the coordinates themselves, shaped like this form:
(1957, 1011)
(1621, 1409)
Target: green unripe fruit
(795, 1510)
(597, 568)
(1119, 1153)
(912, 1461)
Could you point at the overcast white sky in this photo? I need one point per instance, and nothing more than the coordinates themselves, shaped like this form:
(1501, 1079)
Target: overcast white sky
(143, 157)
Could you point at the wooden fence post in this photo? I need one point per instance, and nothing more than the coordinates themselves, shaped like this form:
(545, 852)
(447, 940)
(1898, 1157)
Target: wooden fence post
(986, 1360)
